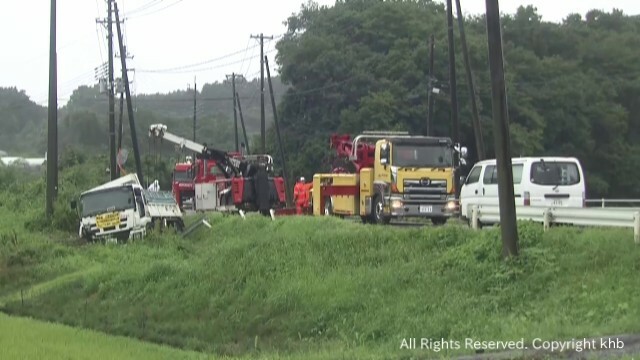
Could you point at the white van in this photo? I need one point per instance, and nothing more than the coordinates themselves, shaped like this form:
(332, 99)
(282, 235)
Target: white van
(537, 181)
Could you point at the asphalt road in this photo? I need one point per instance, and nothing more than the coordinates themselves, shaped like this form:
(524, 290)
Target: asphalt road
(399, 223)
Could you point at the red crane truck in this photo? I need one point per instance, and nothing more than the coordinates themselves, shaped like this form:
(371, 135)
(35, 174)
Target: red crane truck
(183, 185)
(226, 181)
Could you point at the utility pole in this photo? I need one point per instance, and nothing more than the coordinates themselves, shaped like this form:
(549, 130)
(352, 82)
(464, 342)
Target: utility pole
(477, 130)
(120, 124)
(125, 80)
(453, 93)
(195, 93)
(235, 113)
(112, 123)
(262, 118)
(52, 130)
(275, 120)
(430, 99)
(244, 130)
(506, 197)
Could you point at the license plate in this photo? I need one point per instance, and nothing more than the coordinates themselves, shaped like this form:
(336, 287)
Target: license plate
(426, 208)
(557, 202)
(108, 220)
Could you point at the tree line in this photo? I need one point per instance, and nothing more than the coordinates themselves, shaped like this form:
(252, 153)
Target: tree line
(363, 65)
(83, 121)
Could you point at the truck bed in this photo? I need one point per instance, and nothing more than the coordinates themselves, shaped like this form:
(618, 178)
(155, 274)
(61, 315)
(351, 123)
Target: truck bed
(161, 204)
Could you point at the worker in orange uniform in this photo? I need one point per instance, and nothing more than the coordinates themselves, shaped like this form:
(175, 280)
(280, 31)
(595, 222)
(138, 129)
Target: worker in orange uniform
(300, 196)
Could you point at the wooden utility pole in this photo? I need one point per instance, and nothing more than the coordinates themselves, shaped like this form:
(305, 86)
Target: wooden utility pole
(275, 120)
(112, 122)
(477, 129)
(244, 130)
(120, 128)
(453, 93)
(195, 94)
(432, 41)
(263, 132)
(125, 80)
(52, 128)
(235, 112)
(506, 198)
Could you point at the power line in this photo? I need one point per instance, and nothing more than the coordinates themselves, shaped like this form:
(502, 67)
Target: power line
(143, 7)
(100, 40)
(209, 61)
(154, 12)
(197, 70)
(245, 54)
(196, 64)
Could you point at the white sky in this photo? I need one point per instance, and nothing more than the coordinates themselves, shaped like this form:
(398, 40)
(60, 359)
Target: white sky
(174, 33)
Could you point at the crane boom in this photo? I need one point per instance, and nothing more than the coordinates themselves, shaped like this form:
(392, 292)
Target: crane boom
(239, 164)
(160, 131)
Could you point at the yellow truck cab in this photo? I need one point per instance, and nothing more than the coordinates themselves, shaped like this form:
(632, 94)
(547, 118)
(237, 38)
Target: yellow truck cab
(398, 176)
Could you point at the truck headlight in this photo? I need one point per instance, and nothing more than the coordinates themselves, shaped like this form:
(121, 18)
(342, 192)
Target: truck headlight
(451, 206)
(396, 204)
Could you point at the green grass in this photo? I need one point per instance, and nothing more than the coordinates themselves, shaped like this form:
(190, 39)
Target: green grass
(22, 338)
(326, 288)
(310, 288)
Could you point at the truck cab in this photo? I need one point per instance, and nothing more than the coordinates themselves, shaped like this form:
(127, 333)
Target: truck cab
(182, 185)
(396, 175)
(414, 177)
(122, 209)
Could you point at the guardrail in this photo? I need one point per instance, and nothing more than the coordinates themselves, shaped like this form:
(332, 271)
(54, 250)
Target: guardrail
(614, 202)
(607, 217)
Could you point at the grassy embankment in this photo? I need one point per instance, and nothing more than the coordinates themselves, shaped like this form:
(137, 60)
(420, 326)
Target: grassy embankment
(22, 338)
(317, 287)
(325, 286)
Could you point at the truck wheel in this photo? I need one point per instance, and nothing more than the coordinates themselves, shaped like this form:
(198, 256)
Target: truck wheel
(378, 215)
(439, 221)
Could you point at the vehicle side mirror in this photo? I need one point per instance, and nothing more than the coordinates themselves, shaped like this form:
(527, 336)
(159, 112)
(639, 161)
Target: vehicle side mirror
(73, 204)
(463, 152)
(463, 180)
(384, 154)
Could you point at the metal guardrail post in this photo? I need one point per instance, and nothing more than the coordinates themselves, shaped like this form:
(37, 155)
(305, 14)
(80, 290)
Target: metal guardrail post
(474, 217)
(603, 203)
(636, 228)
(546, 216)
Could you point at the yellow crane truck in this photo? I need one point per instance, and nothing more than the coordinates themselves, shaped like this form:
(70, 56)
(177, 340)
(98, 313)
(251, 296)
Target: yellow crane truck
(396, 175)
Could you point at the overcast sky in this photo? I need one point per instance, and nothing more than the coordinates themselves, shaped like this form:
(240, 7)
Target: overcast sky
(170, 34)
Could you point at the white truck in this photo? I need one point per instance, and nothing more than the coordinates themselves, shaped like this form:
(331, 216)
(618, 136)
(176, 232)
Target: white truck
(122, 210)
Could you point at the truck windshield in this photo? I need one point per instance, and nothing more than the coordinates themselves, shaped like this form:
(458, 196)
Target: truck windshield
(554, 173)
(182, 176)
(422, 156)
(116, 199)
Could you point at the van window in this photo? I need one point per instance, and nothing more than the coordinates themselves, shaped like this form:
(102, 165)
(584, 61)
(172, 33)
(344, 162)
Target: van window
(474, 175)
(517, 173)
(491, 174)
(554, 173)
